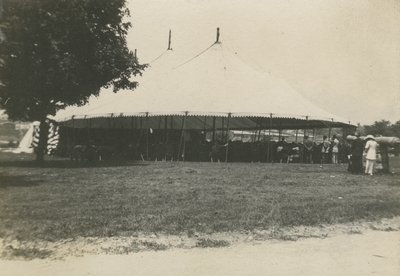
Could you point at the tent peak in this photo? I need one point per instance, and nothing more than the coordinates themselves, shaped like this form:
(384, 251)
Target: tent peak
(169, 41)
(217, 40)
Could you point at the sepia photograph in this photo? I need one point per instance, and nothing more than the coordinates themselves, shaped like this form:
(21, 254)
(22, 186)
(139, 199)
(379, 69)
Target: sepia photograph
(200, 137)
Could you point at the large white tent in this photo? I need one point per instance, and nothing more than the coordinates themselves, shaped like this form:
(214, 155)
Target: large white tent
(177, 93)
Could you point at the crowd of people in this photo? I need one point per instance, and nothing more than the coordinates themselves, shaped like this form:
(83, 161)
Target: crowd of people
(328, 151)
(360, 148)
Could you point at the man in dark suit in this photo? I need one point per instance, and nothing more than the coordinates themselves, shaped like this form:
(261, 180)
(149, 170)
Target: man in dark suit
(357, 149)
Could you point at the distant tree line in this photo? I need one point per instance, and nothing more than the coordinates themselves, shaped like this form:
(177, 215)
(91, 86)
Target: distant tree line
(382, 128)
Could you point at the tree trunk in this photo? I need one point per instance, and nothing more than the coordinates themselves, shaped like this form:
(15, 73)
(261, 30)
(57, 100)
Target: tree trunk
(385, 158)
(42, 145)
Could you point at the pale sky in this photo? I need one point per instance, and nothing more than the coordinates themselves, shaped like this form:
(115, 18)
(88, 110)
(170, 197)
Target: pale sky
(344, 56)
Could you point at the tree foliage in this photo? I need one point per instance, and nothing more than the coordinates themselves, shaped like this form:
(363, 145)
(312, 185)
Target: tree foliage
(59, 53)
(383, 128)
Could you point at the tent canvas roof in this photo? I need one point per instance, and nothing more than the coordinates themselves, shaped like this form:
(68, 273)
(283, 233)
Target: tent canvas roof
(213, 83)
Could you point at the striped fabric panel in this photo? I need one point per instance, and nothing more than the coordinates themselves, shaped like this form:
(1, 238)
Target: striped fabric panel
(52, 140)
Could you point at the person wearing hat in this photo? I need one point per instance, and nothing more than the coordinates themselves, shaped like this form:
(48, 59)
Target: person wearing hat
(370, 149)
(357, 150)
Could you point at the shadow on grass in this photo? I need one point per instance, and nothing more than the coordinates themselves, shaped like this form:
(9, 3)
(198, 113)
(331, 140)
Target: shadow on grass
(17, 181)
(68, 164)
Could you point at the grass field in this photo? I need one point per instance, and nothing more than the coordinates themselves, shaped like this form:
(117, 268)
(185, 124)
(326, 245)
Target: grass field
(62, 200)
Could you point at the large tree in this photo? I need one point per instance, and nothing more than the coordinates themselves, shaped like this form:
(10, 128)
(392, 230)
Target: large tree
(59, 53)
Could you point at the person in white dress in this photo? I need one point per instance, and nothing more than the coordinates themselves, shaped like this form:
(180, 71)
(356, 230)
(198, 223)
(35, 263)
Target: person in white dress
(370, 149)
(335, 150)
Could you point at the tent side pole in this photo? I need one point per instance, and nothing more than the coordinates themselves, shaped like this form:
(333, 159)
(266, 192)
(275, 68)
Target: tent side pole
(306, 128)
(254, 137)
(329, 133)
(259, 130)
(182, 137)
(204, 128)
(304, 136)
(227, 138)
(68, 143)
(213, 135)
(165, 131)
(73, 131)
(140, 134)
(270, 156)
(159, 122)
(136, 118)
(133, 135)
(223, 128)
(147, 136)
(88, 128)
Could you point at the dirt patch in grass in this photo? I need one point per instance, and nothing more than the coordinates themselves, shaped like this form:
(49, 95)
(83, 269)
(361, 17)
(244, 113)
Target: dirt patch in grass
(25, 253)
(79, 247)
